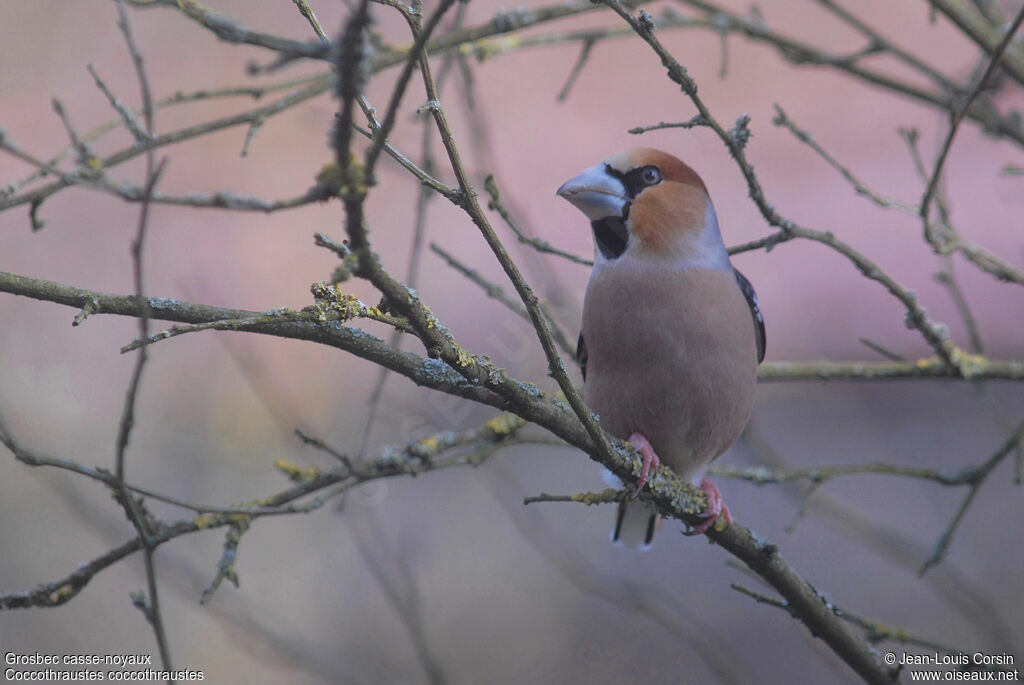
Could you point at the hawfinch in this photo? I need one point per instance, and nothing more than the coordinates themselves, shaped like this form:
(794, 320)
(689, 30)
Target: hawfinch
(672, 333)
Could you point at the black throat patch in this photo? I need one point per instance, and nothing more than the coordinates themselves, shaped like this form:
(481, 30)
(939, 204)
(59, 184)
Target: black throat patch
(611, 236)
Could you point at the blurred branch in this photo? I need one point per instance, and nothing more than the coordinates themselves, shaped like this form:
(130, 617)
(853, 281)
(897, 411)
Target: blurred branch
(972, 476)
(148, 603)
(492, 290)
(177, 98)
(99, 474)
(223, 199)
(800, 53)
(947, 277)
(230, 31)
(486, 49)
(976, 480)
(630, 593)
(491, 186)
(495, 292)
(875, 631)
(399, 585)
(882, 350)
(879, 537)
(425, 178)
(141, 135)
(762, 598)
(945, 243)
(782, 119)
(306, 87)
(989, 38)
(762, 475)
(420, 228)
(577, 69)
(943, 238)
(803, 601)
(884, 45)
(418, 457)
(37, 195)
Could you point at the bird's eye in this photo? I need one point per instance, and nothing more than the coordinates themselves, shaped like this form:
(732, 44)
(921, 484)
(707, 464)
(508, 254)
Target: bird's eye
(650, 175)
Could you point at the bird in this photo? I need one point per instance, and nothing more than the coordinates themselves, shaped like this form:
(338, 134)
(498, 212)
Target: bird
(672, 334)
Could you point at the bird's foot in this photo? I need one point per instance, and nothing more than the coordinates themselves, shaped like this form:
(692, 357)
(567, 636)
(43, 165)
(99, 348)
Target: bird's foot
(716, 508)
(650, 459)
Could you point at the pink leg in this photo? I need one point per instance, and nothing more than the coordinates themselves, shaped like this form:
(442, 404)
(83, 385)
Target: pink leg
(650, 459)
(716, 507)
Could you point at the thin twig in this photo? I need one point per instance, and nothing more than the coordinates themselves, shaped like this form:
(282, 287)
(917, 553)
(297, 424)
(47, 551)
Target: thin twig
(495, 292)
(762, 475)
(425, 178)
(226, 565)
(696, 120)
(491, 186)
(882, 44)
(782, 119)
(988, 37)
(419, 231)
(947, 277)
(221, 199)
(492, 290)
(82, 150)
(141, 134)
(882, 350)
(577, 69)
(960, 113)
(401, 590)
(230, 31)
(45, 167)
(801, 53)
(310, 16)
(149, 603)
(762, 598)
(38, 195)
(177, 98)
(101, 475)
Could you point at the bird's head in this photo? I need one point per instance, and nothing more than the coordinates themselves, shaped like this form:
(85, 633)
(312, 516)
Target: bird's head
(649, 203)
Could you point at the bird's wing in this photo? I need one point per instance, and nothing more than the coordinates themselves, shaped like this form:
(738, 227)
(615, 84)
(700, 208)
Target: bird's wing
(755, 313)
(581, 356)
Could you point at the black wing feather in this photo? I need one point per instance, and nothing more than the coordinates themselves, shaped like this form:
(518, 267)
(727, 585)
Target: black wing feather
(755, 313)
(581, 356)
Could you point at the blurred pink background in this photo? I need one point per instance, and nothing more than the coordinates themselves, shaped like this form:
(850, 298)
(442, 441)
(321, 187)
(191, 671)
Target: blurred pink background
(501, 592)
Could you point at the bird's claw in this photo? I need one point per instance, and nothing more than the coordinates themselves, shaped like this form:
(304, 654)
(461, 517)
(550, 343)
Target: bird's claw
(650, 459)
(716, 508)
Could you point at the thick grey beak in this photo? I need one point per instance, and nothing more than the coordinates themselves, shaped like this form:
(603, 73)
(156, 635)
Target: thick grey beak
(596, 193)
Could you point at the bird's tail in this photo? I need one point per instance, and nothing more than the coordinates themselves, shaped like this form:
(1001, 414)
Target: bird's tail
(635, 524)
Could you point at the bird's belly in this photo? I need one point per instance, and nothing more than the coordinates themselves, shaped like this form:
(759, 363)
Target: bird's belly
(688, 421)
(681, 375)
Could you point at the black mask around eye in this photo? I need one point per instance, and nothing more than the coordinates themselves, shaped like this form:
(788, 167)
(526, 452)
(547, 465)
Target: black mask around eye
(636, 179)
